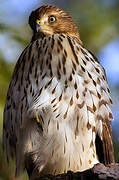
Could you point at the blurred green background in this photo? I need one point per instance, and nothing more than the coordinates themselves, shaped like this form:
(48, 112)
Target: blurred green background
(98, 22)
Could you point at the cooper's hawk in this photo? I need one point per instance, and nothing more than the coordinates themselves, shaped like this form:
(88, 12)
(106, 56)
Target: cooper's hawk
(57, 115)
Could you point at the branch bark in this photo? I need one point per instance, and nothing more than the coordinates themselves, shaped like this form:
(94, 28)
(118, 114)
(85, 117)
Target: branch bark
(98, 172)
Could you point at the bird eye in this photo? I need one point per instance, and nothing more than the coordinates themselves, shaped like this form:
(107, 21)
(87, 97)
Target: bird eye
(52, 19)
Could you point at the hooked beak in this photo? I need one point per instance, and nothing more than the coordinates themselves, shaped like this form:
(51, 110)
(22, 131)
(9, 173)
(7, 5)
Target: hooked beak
(38, 25)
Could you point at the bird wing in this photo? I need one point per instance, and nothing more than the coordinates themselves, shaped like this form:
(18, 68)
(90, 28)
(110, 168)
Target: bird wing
(104, 145)
(96, 96)
(19, 96)
(20, 131)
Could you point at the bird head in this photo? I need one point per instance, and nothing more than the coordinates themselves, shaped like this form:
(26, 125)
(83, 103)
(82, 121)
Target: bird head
(50, 20)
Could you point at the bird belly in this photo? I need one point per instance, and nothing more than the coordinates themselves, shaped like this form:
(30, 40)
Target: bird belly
(65, 150)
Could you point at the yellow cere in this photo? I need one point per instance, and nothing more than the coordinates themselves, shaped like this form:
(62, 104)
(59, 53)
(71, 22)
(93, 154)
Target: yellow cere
(38, 21)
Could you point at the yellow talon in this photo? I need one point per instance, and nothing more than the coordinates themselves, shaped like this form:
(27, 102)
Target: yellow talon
(37, 119)
(39, 122)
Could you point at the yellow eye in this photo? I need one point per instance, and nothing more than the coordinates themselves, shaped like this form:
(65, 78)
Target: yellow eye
(52, 19)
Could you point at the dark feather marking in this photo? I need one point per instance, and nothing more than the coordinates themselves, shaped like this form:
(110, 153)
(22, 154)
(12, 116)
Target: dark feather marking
(94, 83)
(55, 110)
(26, 105)
(70, 77)
(87, 58)
(64, 149)
(31, 65)
(81, 105)
(51, 74)
(65, 53)
(98, 71)
(32, 93)
(88, 125)
(54, 105)
(14, 105)
(83, 51)
(53, 91)
(58, 74)
(99, 96)
(50, 68)
(65, 137)
(52, 44)
(89, 75)
(62, 35)
(37, 44)
(77, 129)
(37, 95)
(22, 79)
(57, 115)
(92, 60)
(30, 51)
(50, 56)
(39, 52)
(110, 115)
(60, 97)
(63, 60)
(59, 64)
(73, 51)
(35, 72)
(110, 101)
(77, 95)
(64, 70)
(28, 78)
(75, 85)
(71, 101)
(93, 56)
(21, 112)
(23, 61)
(46, 49)
(37, 82)
(8, 107)
(43, 76)
(80, 162)
(57, 126)
(73, 72)
(60, 38)
(94, 107)
(108, 90)
(58, 50)
(46, 61)
(44, 43)
(65, 115)
(74, 65)
(102, 102)
(98, 81)
(25, 93)
(8, 97)
(84, 62)
(90, 109)
(49, 38)
(48, 83)
(83, 69)
(53, 101)
(41, 66)
(22, 98)
(60, 45)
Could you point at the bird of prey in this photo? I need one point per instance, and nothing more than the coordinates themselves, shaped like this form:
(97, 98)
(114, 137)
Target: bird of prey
(57, 115)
